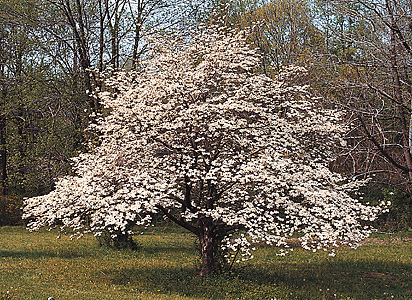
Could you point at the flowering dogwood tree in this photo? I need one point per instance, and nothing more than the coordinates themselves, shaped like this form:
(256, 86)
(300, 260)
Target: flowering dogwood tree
(232, 156)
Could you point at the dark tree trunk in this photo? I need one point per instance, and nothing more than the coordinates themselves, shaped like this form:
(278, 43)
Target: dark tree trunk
(102, 17)
(3, 95)
(77, 23)
(138, 23)
(207, 244)
(3, 156)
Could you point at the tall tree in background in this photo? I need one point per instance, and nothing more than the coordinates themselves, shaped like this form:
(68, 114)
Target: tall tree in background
(14, 52)
(48, 56)
(284, 30)
(3, 112)
(368, 72)
(285, 34)
(38, 105)
(377, 85)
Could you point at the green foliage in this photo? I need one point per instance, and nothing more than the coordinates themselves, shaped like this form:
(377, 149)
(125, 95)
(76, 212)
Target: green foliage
(284, 30)
(41, 100)
(43, 132)
(399, 217)
(10, 210)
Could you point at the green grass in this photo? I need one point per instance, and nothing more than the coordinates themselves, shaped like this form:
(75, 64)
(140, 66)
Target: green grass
(37, 266)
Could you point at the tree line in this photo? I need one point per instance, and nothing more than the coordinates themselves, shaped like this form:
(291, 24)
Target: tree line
(52, 55)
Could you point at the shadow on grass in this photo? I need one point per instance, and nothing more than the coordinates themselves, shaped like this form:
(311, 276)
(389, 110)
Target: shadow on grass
(76, 252)
(372, 279)
(39, 253)
(367, 279)
(180, 250)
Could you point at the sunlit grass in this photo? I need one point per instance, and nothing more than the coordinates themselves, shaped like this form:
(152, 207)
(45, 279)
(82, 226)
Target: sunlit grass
(37, 266)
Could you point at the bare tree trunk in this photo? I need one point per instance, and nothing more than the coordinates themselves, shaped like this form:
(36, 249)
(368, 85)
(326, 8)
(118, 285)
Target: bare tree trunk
(206, 239)
(115, 45)
(3, 154)
(103, 9)
(136, 44)
(3, 147)
(76, 21)
(138, 28)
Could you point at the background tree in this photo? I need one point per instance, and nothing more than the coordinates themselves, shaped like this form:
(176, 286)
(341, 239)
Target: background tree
(284, 30)
(232, 156)
(41, 119)
(369, 74)
(48, 57)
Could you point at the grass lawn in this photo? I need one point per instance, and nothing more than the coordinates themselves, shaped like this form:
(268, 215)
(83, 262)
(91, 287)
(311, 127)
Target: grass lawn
(37, 266)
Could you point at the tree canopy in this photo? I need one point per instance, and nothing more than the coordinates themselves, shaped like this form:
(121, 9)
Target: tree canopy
(231, 155)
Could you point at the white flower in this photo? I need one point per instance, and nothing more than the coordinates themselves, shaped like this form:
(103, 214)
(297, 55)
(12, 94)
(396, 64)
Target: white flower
(198, 135)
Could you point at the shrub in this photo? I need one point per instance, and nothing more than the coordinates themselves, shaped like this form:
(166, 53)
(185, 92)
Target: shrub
(117, 240)
(399, 217)
(10, 210)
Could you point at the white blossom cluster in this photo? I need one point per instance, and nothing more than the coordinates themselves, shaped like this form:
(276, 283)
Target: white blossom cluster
(199, 134)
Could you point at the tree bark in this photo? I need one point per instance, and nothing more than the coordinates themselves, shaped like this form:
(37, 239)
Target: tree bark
(3, 95)
(77, 24)
(3, 155)
(138, 23)
(206, 239)
(102, 16)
